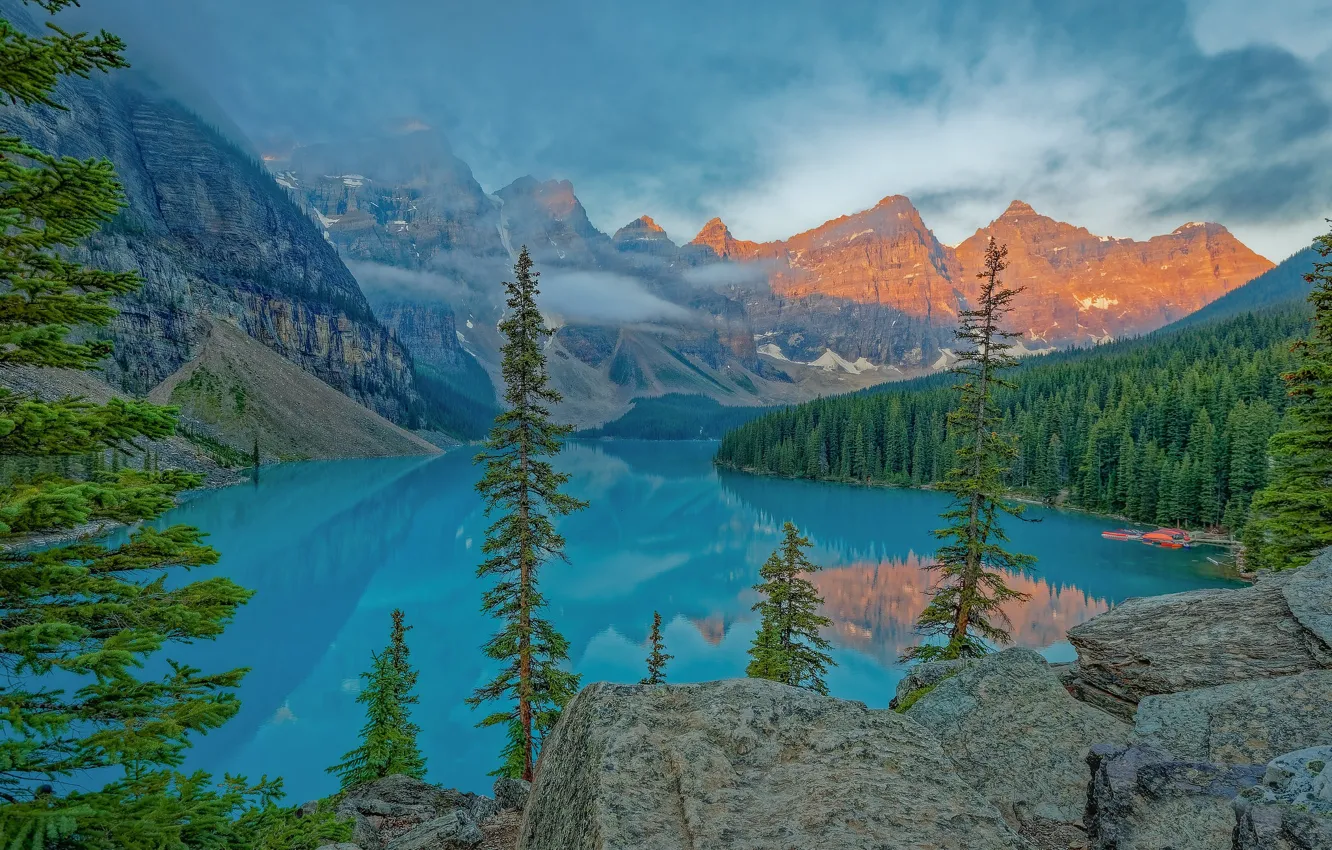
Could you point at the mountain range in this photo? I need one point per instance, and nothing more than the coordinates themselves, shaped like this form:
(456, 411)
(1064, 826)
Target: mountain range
(374, 267)
(861, 299)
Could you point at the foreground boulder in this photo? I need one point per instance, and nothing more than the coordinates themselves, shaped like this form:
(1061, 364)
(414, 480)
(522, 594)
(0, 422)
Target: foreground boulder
(1142, 798)
(1292, 808)
(1243, 722)
(1017, 736)
(747, 763)
(402, 813)
(1280, 626)
(920, 678)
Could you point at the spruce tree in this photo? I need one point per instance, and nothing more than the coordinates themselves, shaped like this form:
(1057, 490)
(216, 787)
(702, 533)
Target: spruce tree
(523, 489)
(966, 608)
(1291, 517)
(388, 738)
(789, 647)
(80, 621)
(657, 658)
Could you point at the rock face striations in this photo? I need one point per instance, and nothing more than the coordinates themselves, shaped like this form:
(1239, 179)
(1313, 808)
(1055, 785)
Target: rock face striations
(214, 236)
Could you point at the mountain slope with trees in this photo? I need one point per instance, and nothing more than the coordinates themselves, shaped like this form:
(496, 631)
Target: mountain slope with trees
(1169, 428)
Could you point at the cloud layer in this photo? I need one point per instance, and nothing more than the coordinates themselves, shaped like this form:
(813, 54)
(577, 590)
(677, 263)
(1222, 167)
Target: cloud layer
(1129, 118)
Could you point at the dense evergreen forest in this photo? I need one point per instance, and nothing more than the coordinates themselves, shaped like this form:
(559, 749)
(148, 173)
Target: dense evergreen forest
(1171, 428)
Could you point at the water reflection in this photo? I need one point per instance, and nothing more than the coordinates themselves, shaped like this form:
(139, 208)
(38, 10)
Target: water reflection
(332, 548)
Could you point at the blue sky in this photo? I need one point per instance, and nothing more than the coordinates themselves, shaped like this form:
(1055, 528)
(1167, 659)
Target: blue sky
(1129, 118)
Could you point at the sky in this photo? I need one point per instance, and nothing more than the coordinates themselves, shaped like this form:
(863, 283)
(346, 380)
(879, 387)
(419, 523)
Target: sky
(1129, 118)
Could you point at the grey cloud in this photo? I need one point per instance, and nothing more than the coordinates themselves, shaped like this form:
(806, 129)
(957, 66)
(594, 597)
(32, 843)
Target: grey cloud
(593, 297)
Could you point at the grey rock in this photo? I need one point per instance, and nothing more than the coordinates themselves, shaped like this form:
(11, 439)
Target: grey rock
(453, 831)
(1292, 808)
(512, 793)
(1141, 798)
(1243, 722)
(923, 675)
(746, 764)
(1017, 736)
(212, 235)
(341, 845)
(386, 808)
(1308, 593)
(482, 808)
(308, 808)
(1201, 639)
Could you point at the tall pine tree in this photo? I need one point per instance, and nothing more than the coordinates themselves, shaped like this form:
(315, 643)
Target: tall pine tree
(657, 658)
(1291, 518)
(388, 738)
(79, 622)
(789, 647)
(967, 606)
(522, 487)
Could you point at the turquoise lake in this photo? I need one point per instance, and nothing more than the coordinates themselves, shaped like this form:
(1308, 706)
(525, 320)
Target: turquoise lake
(332, 547)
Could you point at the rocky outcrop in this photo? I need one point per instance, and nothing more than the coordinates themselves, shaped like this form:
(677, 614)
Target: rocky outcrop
(402, 813)
(928, 674)
(1292, 808)
(1205, 638)
(746, 764)
(1142, 798)
(212, 236)
(1243, 722)
(1082, 288)
(1007, 716)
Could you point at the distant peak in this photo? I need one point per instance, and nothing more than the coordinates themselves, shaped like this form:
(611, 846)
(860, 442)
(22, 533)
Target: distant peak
(642, 227)
(895, 200)
(715, 226)
(1019, 208)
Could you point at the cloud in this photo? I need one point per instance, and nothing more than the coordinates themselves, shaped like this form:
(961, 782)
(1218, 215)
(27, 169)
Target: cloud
(724, 275)
(1128, 118)
(377, 279)
(595, 297)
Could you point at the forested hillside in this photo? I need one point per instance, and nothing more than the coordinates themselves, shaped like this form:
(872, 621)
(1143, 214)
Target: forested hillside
(1169, 428)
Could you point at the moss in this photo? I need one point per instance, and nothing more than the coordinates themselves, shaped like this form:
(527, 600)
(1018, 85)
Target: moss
(913, 697)
(1316, 767)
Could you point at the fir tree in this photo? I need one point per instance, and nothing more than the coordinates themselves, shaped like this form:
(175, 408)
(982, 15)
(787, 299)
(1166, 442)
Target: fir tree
(79, 621)
(969, 597)
(657, 658)
(522, 487)
(789, 647)
(388, 738)
(1291, 518)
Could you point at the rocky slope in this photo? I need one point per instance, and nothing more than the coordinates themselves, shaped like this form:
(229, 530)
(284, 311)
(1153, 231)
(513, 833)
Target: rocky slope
(1079, 287)
(996, 752)
(240, 393)
(215, 239)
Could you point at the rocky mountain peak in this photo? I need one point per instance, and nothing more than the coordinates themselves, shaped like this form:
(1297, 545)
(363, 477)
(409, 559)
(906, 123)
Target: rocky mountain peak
(716, 237)
(1018, 208)
(641, 229)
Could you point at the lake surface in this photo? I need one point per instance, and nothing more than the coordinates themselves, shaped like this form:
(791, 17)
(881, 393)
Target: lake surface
(333, 547)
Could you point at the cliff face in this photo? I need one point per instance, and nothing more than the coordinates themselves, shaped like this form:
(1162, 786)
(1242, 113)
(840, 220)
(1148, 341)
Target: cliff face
(1079, 287)
(213, 236)
(1082, 287)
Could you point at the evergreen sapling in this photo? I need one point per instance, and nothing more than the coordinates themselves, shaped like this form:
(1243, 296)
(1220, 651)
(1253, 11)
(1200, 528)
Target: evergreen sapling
(789, 647)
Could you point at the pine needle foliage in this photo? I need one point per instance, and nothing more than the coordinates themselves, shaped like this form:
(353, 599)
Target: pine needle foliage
(657, 658)
(80, 621)
(1292, 516)
(388, 738)
(523, 492)
(966, 608)
(789, 647)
